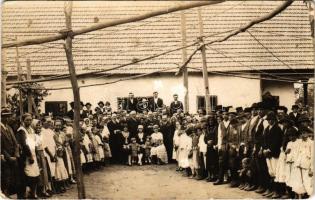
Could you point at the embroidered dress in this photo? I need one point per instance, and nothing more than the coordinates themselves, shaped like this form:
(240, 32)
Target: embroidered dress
(289, 163)
(61, 172)
(185, 144)
(176, 145)
(87, 144)
(296, 181)
(48, 142)
(100, 146)
(155, 137)
(304, 163)
(281, 166)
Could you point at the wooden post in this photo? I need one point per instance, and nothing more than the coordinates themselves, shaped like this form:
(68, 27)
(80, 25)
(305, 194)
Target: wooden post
(204, 64)
(184, 56)
(29, 77)
(3, 80)
(19, 73)
(76, 97)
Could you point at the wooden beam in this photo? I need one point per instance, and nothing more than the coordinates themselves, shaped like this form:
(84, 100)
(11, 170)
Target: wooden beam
(4, 74)
(76, 98)
(103, 25)
(204, 64)
(184, 56)
(29, 77)
(19, 78)
(243, 28)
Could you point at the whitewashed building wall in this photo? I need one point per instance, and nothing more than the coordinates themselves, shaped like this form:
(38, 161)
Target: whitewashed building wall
(229, 90)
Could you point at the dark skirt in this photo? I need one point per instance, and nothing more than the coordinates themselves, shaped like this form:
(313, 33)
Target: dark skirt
(211, 157)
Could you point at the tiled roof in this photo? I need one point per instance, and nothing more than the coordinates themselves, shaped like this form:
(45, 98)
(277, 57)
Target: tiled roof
(287, 36)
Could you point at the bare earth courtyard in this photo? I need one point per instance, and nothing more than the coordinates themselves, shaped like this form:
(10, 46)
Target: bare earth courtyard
(150, 182)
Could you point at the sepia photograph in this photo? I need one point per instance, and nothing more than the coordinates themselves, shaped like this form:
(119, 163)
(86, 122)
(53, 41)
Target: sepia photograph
(157, 99)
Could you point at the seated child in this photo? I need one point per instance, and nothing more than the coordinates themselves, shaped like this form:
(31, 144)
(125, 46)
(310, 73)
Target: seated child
(245, 174)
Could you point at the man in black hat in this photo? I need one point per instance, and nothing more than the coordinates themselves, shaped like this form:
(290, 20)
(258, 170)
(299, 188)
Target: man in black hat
(9, 155)
(156, 102)
(176, 105)
(88, 107)
(294, 115)
(100, 108)
(259, 161)
(271, 146)
(222, 146)
(70, 113)
(131, 103)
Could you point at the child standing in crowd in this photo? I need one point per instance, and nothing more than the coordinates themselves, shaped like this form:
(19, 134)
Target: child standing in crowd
(147, 150)
(125, 147)
(134, 149)
(176, 143)
(185, 143)
(140, 141)
(194, 160)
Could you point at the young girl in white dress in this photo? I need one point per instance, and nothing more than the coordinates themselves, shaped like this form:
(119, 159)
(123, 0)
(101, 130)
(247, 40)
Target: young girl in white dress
(176, 143)
(185, 145)
(304, 163)
(158, 151)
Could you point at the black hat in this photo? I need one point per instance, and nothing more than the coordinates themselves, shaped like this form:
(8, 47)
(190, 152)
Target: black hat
(72, 104)
(295, 107)
(5, 111)
(100, 102)
(254, 106)
(239, 109)
(247, 109)
(218, 107)
(225, 109)
(271, 116)
(260, 106)
(283, 108)
(88, 104)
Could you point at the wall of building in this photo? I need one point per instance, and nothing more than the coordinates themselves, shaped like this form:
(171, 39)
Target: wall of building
(284, 90)
(230, 90)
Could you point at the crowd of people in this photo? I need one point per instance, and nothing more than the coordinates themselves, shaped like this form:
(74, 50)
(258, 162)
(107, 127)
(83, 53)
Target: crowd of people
(260, 148)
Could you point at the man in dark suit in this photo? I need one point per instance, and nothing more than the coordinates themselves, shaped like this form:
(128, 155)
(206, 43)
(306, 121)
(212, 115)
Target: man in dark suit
(294, 115)
(271, 146)
(114, 127)
(131, 103)
(83, 114)
(132, 124)
(156, 102)
(176, 105)
(9, 155)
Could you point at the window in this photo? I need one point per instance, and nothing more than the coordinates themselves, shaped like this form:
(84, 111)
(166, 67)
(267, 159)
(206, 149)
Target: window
(57, 108)
(201, 104)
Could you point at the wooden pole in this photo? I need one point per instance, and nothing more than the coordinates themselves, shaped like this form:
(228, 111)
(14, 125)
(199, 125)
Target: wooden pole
(184, 56)
(76, 97)
(204, 64)
(29, 77)
(103, 25)
(4, 74)
(19, 78)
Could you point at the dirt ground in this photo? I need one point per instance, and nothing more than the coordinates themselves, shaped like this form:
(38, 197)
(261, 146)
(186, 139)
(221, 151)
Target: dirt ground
(150, 182)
